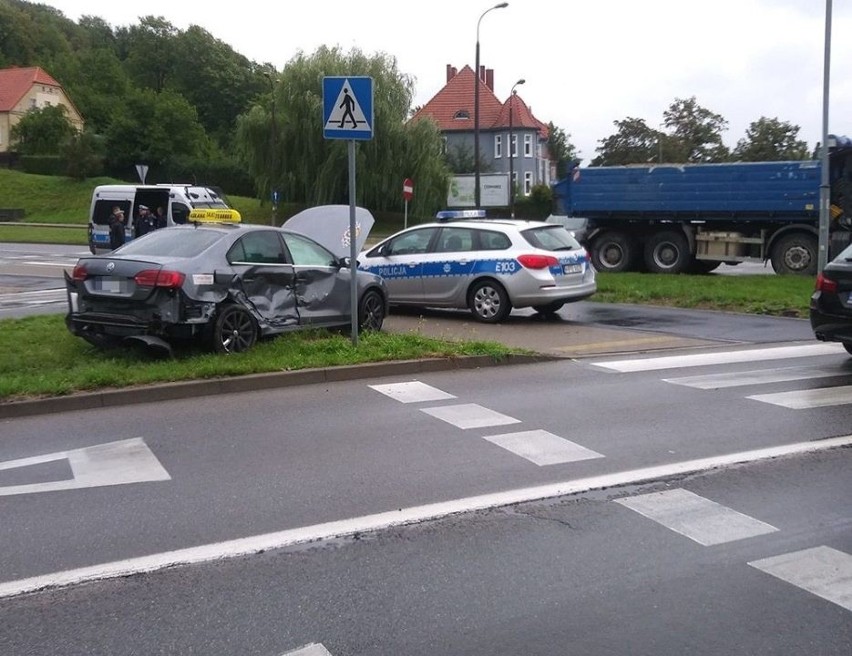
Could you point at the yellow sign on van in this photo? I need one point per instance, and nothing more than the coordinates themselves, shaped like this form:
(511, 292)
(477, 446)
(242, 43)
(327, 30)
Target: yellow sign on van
(214, 216)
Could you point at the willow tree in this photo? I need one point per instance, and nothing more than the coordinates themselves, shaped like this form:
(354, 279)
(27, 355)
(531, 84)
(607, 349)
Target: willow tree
(281, 138)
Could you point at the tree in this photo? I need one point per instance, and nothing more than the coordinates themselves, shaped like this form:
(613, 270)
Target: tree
(562, 151)
(151, 58)
(771, 140)
(633, 143)
(42, 131)
(151, 128)
(83, 155)
(306, 168)
(695, 132)
(220, 83)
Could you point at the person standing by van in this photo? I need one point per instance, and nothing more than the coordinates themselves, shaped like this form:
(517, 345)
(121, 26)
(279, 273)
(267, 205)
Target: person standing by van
(116, 228)
(160, 216)
(145, 222)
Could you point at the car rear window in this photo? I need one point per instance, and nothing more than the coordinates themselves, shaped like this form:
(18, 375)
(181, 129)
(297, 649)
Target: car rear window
(551, 238)
(173, 242)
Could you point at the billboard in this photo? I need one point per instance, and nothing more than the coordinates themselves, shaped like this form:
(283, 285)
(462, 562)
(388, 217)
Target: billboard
(493, 190)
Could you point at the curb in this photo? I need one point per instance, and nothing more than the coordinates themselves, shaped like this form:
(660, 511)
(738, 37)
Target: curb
(255, 382)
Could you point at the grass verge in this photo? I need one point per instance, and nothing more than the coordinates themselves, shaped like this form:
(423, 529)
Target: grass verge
(41, 358)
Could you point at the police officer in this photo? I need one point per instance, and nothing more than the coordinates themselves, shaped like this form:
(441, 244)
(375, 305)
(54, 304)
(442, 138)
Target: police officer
(145, 222)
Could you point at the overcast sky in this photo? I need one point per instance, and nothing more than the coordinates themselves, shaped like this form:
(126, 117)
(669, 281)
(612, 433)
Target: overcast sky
(586, 63)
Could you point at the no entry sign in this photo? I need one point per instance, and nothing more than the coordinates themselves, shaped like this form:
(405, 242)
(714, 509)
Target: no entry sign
(407, 189)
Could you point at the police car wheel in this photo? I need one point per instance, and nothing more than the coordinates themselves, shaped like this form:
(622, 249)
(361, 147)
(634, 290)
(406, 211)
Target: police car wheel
(488, 301)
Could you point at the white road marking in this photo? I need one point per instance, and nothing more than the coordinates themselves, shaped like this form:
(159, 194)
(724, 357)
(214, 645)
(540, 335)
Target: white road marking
(542, 448)
(312, 649)
(346, 527)
(756, 377)
(720, 357)
(811, 398)
(470, 415)
(114, 463)
(822, 571)
(701, 520)
(412, 392)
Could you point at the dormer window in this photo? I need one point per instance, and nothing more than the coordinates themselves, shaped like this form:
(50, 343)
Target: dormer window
(462, 115)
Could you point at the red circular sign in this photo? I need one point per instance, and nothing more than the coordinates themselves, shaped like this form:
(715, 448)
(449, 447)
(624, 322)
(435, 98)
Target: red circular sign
(407, 189)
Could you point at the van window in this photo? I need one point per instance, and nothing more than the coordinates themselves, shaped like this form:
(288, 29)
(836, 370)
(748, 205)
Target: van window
(103, 210)
(180, 213)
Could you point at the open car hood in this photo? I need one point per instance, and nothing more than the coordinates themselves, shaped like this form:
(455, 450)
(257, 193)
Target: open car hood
(329, 225)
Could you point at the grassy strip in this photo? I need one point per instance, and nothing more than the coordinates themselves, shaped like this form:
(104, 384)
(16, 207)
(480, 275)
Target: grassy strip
(41, 358)
(786, 296)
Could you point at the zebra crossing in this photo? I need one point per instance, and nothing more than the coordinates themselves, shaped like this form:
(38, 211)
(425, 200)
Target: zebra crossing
(833, 395)
(822, 571)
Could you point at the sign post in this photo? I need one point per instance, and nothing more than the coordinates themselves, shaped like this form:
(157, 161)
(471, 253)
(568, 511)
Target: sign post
(407, 195)
(347, 104)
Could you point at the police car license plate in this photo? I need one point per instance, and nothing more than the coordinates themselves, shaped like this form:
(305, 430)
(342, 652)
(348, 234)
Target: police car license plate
(572, 268)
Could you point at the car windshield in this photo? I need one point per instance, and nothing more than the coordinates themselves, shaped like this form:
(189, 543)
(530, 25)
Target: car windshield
(568, 222)
(173, 242)
(551, 238)
(845, 255)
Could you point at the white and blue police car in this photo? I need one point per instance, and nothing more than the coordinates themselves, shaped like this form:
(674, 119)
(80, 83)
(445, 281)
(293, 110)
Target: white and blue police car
(486, 265)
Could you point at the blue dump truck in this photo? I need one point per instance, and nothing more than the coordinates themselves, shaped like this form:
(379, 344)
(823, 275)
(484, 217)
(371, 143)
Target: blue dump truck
(690, 218)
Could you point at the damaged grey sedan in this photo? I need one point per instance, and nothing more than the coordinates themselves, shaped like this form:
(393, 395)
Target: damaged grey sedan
(225, 283)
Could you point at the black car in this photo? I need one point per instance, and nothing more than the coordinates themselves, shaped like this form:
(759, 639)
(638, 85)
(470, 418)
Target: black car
(224, 284)
(831, 302)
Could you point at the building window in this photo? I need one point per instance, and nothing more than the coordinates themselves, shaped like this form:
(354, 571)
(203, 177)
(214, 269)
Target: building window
(527, 183)
(462, 115)
(443, 145)
(514, 146)
(514, 179)
(498, 146)
(527, 145)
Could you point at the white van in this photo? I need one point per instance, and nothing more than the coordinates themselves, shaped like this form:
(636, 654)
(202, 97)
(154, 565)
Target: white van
(176, 201)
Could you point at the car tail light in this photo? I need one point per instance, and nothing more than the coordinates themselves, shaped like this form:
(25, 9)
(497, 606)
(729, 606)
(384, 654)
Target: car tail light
(159, 278)
(824, 284)
(538, 261)
(80, 273)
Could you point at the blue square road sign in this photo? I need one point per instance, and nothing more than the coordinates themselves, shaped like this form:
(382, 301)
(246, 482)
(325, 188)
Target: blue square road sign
(347, 104)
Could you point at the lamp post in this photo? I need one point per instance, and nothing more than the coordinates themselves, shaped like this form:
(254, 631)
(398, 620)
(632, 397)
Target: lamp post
(824, 187)
(273, 159)
(476, 105)
(512, 95)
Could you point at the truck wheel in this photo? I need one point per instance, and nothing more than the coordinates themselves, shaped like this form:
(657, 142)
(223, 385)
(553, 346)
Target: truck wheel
(667, 252)
(796, 254)
(614, 252)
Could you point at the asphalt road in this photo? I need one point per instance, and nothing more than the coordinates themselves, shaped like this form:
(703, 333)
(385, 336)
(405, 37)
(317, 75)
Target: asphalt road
(677, 482)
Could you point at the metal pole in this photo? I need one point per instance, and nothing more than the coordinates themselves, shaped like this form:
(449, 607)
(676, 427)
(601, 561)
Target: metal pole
(405, 225)
(511, 161)
(824, 187)
(476, 191)
(353, 251)
(273, 155)
(511, 150)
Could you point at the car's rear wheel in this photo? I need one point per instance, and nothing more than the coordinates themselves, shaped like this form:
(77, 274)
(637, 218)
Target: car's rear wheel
(488, 301)
(550, 308)
(371, 311)
(234, 330)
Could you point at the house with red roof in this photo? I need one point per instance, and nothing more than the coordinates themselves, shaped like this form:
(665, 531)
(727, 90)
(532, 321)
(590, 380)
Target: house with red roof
(452, 109)
(23, 89)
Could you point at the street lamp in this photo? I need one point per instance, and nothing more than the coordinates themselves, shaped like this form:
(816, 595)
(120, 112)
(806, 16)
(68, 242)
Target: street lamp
(273, 158)
(502, 5)
(512, 95)
(824, 188)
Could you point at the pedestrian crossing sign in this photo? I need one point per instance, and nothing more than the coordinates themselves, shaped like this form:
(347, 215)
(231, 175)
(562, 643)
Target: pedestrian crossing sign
(347, 107)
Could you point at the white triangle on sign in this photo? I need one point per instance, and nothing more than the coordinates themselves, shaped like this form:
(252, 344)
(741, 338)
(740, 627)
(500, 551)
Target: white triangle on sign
(114, 463)
(347, 113)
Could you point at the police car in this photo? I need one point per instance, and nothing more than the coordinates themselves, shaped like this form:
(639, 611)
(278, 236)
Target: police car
(488, 266)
